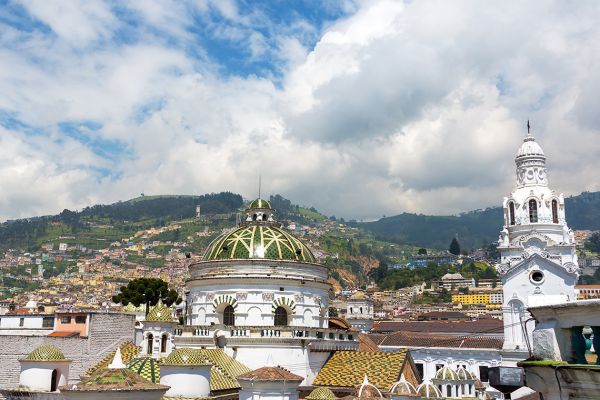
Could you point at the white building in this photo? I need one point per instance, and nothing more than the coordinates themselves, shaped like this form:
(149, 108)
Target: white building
(259, 294)
(538, 259)
(359, 312)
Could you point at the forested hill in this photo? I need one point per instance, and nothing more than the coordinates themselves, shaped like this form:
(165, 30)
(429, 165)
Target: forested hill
(474, 228)
(138, 213)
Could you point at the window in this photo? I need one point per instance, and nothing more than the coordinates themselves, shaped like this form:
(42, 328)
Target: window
(254, 217)
(264, 217)
(21, 321)
(419, 370)
(229, 316)
(65, 320)
(438, 367)
(54, 381)
(511, 213)
(533, 214)
(281, 317)
(537, 276)
(483, 373)
(48, 322)
(150, 343)
(80, 319)
(555, 211)
(163, 343)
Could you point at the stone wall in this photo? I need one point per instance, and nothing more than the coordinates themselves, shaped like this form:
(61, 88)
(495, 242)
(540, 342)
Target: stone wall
(106, 331)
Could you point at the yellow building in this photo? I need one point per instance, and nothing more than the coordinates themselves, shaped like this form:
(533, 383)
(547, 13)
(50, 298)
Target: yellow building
(471, 298)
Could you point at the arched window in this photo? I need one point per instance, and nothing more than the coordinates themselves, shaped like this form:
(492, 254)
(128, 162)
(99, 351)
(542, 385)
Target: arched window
(511, 213)
(264, 217)
(449, 390)
(533, 214)
(254, 217)
(150, 344)
(54, 381)
(163, 343)
(229, 316)
(351, 312)
(555, 211)
(281, 317)
(361, 310)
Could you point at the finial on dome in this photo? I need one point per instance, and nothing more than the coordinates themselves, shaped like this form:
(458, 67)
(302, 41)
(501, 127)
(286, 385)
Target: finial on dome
(529, 136)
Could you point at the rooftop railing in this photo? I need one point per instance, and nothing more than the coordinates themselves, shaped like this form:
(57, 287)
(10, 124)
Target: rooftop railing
(284, 332)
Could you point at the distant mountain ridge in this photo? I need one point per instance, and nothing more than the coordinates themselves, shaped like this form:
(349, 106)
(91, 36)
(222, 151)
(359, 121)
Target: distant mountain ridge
(475, 228)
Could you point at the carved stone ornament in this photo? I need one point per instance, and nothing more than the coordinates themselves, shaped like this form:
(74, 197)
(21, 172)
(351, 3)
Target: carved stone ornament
(241, 296)
(210, 296)
(268, 296)
(502, 269)
(571, 267)
(298, 298)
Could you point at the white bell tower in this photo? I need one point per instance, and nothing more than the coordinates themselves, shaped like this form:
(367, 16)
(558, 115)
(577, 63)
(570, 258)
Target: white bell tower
(538, 258)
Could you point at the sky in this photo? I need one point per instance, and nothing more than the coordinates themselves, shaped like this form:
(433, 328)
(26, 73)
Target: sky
(358, 108)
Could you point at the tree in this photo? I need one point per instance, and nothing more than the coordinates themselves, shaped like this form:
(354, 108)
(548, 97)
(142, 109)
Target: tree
(146, 291)
(422, 252)
(454, 247)
(333, 312)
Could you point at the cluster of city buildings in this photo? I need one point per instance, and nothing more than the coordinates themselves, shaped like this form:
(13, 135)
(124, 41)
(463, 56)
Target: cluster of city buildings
(256, 324)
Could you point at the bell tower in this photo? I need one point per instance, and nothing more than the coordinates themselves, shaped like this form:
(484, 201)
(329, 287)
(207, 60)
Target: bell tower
(538, 261)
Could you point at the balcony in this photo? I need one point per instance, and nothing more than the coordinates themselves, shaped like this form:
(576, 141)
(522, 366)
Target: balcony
(564, 363)
(207, 334)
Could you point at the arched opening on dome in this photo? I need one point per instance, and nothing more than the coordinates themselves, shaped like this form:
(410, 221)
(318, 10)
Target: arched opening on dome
(149, 343)
(264, 217)
(533, 211)
(448, 390)
(229, 316)
(54, 381)
(281, 316)
(555, 211)
(511, 213)
(163, 343)
(254, 217)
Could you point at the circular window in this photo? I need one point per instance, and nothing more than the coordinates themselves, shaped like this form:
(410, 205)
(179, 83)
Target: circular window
(536, 276)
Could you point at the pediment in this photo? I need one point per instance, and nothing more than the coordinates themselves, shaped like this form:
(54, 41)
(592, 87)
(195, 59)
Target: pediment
(533, 240)
(542, 258)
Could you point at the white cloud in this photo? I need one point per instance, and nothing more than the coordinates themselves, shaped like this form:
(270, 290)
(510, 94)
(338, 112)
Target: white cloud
(415, 106)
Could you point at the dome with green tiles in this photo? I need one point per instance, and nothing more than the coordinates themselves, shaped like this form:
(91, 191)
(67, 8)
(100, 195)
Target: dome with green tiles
(321, 393)
(159, 313)
(46, 352)
(255, 241)
(147, 368)
(260, 203)
(185, 357)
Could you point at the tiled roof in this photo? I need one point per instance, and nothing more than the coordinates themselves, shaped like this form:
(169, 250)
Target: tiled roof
(224, 371)
(159, 313)
(147, 368)
(128, 352)
(114, 379)
(489, 326)
(321, 393)
(348, 369)
(365, 343)
(45, 352)
(185, 357)
(271, 374)
(63, 334)
(402, 339)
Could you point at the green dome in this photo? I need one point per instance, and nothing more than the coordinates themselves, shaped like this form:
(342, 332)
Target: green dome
(185, 356)
(321, 393)
(446, 374)
(46, 352)
(159, 313)
(258, 242)
(260, 203)
(147, 368)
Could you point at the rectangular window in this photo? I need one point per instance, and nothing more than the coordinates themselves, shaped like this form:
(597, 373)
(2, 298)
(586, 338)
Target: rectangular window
(21, 321)
(80, 319)
(65, 320)
(419, 370)
(483, 374)
(48, 322)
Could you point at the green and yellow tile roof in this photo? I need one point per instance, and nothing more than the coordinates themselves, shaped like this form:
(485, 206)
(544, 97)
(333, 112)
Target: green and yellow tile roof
(260, 203)
(348, 369)
(147, 368)
(129, 351)
(159, 313)
(45, 352)
(258, 241)
(321, 393)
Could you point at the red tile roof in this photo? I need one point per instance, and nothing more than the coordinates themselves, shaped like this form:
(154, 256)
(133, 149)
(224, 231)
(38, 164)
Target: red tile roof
(407, 339)
(63, 334)
(488, 326)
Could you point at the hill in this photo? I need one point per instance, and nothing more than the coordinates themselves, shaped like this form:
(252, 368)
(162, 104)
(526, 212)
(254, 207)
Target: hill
(475, 228)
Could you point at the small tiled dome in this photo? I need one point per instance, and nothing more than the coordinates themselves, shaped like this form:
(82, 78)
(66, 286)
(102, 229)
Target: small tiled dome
(159, 313)
(428, 390)
(260, 203)
(321, 393)
(46, 352)
(403, 388)
(463, 375)
(446, 374)
(189, 357)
